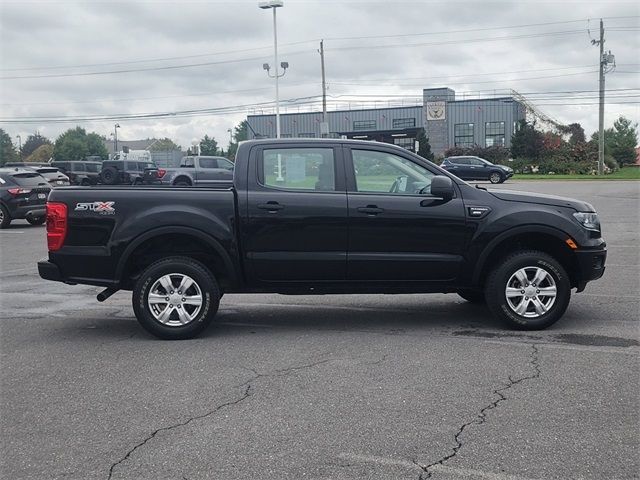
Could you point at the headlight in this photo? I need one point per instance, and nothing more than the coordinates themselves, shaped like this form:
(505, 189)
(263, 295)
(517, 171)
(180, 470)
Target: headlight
(589, 221)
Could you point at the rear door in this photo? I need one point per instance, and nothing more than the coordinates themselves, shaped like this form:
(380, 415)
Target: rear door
(296, 227)
(478, 169)
(210, 171)
(398, 232)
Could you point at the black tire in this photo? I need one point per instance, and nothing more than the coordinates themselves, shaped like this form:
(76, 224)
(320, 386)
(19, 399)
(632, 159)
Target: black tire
(182, 183)
(85, 182)
(109, 176)
(496, 177)
(473, 296)
(36, 220)
(500, 278)
(203, 279)
(5, 218)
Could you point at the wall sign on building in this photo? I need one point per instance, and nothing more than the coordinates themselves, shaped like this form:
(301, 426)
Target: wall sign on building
(436, 110)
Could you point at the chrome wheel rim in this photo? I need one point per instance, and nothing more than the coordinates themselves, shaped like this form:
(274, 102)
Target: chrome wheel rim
(175, 299)
(531, 292)
(495, 178)
(1, 216)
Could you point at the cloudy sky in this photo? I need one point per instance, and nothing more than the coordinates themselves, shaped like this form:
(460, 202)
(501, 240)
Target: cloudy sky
(198, 65)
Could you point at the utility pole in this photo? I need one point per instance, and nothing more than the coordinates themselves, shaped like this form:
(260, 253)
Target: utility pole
(324, 127)
(601, 109)
(605, 60)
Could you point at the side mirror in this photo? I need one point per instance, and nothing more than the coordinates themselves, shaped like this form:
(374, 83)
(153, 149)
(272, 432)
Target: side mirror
(442, 187)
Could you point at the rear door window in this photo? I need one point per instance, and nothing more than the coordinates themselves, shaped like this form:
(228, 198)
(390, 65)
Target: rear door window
(208, 163)
(78, 167)
(298, 169)
(93, 167)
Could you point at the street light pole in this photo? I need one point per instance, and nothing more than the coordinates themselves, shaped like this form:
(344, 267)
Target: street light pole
(115, 138)
(275, 59)
(19, 147)
(274, 4)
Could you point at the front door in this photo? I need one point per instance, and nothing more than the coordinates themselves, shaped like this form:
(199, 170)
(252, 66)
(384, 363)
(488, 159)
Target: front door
(397, 230)
(296, 227)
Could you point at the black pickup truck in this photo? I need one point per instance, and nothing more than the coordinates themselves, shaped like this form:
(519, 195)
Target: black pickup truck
(318, 217)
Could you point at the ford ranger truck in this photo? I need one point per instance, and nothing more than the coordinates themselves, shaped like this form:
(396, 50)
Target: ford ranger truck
(323, 216)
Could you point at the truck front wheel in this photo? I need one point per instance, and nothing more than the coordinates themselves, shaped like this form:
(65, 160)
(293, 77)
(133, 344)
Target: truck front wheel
(528, 290)
(176, 298)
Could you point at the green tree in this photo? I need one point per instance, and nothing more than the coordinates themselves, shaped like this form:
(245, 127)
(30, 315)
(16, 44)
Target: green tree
(424, 147)
(32, 143)
(75, 144)
(164, 144)
(575, 132)
(527, 142)
(95, 145)
(7, 150)
(621, 140)
(42, 154)
(208, 146)
(240, 134)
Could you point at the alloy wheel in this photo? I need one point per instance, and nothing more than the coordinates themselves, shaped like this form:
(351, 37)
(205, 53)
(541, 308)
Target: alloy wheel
(531, 292)
(175, 299)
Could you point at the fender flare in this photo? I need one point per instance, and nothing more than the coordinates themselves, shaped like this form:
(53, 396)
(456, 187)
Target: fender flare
(531, 228)
(156, 232)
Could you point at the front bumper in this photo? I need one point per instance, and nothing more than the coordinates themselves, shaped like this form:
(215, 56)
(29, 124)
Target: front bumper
(590, 265)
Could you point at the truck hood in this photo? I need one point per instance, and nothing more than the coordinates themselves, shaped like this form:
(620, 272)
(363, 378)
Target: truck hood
(542, 199)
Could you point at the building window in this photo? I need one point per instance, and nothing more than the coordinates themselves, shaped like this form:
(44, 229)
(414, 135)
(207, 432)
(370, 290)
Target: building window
(494, 134)
(406, 142)
(286, 135)
(463, 134)
(364, 125)
(306, 135)
(404, 122)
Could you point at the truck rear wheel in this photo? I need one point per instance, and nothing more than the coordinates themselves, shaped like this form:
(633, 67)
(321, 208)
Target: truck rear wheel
(529, 290)
(176, 298)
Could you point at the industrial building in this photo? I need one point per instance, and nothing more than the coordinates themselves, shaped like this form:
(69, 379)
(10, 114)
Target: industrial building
(447, 122)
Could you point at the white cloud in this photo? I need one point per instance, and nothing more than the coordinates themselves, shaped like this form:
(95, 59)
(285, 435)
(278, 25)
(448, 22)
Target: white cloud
(45, 34)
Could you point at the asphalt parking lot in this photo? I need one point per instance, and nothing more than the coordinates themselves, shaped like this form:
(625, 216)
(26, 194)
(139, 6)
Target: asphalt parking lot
(326, 387)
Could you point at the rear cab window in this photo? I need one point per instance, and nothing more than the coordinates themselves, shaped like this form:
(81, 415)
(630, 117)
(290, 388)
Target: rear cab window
(310, 169)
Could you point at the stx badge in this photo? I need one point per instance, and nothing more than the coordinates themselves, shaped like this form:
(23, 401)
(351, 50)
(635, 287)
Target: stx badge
(103, 208)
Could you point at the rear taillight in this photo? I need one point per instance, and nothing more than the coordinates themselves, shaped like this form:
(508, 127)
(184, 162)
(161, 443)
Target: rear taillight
(56, 225)
(19, 191)
(161, 172)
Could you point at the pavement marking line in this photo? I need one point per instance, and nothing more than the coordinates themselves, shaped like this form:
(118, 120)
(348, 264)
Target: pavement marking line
(10, 231)
(457, 472)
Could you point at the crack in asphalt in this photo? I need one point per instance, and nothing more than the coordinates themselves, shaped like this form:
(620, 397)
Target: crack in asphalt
(247, 394)
(244, 396)
(481, 417)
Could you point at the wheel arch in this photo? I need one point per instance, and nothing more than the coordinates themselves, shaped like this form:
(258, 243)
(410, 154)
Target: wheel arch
(182, 177)
(531, 237)
(178, 241)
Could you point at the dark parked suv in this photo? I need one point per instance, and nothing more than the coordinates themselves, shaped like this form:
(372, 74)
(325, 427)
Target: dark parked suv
(80, 172)
(23, 194)
(129, 172)
(476, 168)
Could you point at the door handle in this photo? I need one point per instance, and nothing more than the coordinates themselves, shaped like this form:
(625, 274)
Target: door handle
(270, 206)
(370, 210)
